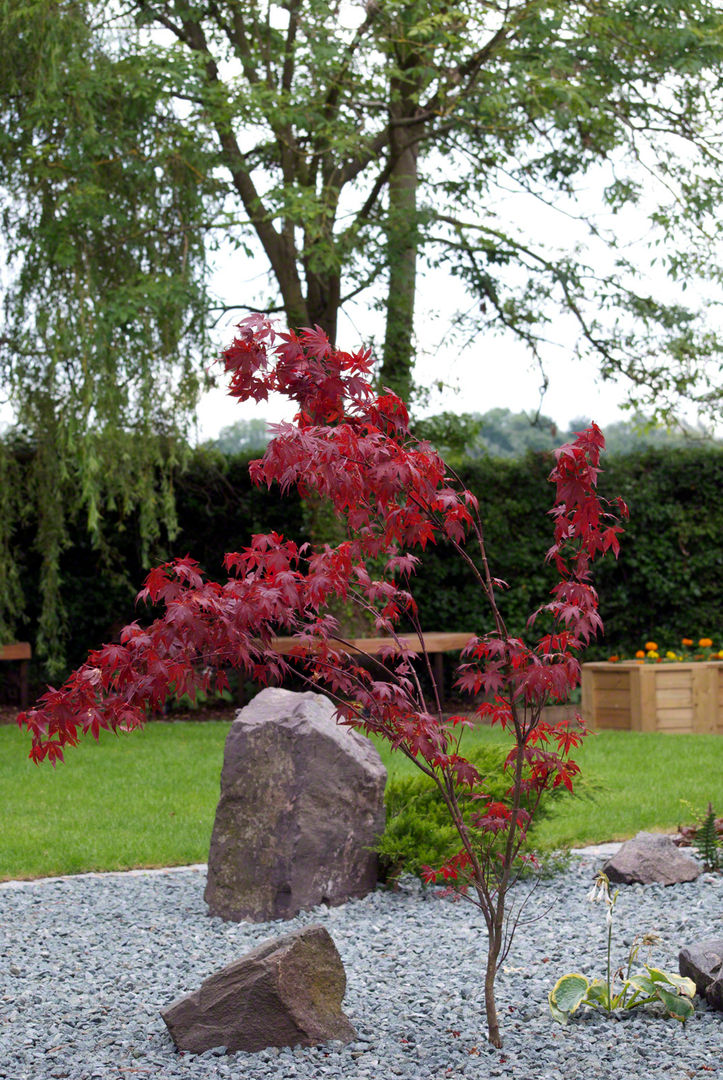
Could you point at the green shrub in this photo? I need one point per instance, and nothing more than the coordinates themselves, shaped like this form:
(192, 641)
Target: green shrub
(418, 831)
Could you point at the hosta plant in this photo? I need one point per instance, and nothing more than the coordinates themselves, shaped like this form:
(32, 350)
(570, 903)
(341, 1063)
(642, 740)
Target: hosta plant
(393, 494)
(674, 992)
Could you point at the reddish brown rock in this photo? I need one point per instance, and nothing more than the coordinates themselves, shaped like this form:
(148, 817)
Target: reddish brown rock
(649, 858)
(302, 804)
(285, 992)
(703, 963)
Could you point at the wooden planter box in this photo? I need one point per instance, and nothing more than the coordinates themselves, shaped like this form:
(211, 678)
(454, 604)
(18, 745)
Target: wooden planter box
(653, 697)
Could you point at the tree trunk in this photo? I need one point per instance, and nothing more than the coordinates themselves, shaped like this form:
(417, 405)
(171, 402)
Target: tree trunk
(494, 944)
(322, 302)
(402, 242)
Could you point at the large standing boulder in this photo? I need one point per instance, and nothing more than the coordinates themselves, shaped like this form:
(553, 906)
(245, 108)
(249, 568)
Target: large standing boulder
(285, 992)
(649, 858)
(703, 963)
(302, 804)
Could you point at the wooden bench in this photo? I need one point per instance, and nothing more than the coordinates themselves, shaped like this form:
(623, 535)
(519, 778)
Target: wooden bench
(20, 651)
(436, 645)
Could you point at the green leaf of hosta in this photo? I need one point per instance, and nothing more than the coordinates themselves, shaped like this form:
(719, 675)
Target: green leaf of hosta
(680, 982)
(656, 974)
(679, 1007)
(557, 1014)
(643, 984)
(597, 993)
(568, 993)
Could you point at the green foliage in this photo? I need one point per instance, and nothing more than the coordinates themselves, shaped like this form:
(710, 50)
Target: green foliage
(504, 434)
(242, 437)
(10, 509)
(418, 831)
(513, 504)
(216, 509)
(500, 433)
(100, 195)
(707, 842)
(132, 141)
(667, 583)
(674, 992)
(451, 434)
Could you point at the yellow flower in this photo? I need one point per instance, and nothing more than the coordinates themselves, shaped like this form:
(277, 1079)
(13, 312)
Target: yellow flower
(705, 642)
(719, 654)
(670, 655)
(653, 655)
(640, 655)
(650, 646)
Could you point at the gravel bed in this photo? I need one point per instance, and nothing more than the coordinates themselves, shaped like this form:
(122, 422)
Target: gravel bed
(86, 963)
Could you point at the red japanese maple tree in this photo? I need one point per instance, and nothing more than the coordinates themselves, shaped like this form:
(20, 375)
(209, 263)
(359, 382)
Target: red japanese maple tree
(353, 447)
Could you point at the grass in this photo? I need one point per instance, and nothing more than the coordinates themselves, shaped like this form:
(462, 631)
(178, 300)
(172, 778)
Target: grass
(148, 799)
(629, 781)
(145, 799)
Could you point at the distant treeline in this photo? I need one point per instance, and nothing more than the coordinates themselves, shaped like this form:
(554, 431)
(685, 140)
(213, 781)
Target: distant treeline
(498, 433)
(667, 583)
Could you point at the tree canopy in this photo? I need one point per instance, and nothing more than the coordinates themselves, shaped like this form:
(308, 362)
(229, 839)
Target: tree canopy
(243, 436)
(340, 145)
(342, 140)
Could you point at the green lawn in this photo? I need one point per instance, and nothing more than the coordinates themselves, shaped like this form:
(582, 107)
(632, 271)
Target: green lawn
(148, 799)
(145, 799)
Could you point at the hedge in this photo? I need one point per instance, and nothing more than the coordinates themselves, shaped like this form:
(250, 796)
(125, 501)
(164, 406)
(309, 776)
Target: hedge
(666, 583)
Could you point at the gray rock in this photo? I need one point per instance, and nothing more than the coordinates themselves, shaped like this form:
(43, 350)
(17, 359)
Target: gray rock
(302, 804)
(703, 963)
(650, 858)
(286, 992)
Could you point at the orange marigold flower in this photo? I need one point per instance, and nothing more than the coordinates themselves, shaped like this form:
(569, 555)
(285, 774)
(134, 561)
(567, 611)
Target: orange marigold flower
(687, 641)
(640, 655)
(651, 646)
(705, 642)
(613, 659)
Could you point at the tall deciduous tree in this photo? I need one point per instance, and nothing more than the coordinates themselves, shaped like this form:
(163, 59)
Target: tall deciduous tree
(343, 144)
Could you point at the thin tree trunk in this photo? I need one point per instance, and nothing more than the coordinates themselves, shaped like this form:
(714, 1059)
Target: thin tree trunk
(494, 945)
(322, 302)
(402, 245)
